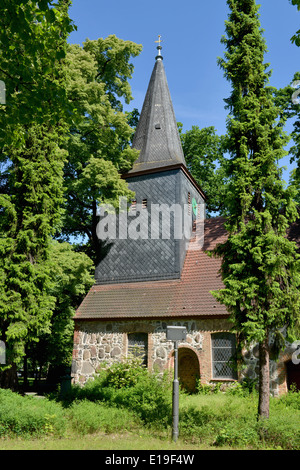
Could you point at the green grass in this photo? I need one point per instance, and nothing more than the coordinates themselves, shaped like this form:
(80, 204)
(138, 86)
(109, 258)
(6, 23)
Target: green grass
(136, 414)
(210, 422)
(144, 440)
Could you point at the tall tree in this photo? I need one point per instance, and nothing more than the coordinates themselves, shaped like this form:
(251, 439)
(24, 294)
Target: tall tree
(296, 37)
(204, 154)
(71, 276)
(260, 266)
(32, 162)
(99, 140)
(32, 45)
(287, 99)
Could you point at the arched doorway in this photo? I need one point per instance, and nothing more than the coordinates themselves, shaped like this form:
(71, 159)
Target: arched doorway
(188, 369)
(293, 375)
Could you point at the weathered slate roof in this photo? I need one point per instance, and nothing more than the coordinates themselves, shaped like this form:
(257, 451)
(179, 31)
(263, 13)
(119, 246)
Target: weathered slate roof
(157, 135)
(188, 296)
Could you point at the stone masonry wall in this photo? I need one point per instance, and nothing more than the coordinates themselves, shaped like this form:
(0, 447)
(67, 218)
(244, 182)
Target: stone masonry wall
(99, 343)
(278, 373)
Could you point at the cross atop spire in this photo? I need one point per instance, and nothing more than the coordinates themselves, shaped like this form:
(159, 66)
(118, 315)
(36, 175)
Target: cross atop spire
(159, 48)
(159, 40)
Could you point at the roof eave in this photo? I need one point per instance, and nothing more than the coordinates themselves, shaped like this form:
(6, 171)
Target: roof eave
(176, 166)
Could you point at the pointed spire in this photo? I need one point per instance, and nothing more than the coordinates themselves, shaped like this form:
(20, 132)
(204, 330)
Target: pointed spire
(157, 135)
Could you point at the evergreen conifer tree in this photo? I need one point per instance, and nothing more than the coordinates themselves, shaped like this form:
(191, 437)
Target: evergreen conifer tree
(260, 266)
(33, 42)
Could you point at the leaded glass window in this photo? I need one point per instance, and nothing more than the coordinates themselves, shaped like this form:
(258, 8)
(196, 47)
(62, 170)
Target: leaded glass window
(138, 346)
(223, 350)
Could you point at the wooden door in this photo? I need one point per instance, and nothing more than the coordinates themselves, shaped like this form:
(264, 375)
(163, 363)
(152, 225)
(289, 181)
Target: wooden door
(188, 369)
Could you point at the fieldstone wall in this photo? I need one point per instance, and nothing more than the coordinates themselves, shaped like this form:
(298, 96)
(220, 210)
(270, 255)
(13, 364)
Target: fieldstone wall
(278, 382)
(99, 343)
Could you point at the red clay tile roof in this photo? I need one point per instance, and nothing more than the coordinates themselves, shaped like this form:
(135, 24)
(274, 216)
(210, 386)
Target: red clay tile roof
(188, 297)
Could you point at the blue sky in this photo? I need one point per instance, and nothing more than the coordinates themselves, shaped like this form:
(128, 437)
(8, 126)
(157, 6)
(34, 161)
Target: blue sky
(191, 33)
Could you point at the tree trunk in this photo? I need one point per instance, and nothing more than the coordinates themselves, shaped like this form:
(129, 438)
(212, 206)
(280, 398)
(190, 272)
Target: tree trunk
(264, 379)
(25, 373)
(9, 378)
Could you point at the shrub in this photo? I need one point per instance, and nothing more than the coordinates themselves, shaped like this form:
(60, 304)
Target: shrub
(235, 389)
(281, 431)
(206, 389)
(22, 416)
(124, 374)
(237, 433)
(131, 386)
(87, 417)
(291, 399)
(151, 399)
(243, 389)
(195, 422)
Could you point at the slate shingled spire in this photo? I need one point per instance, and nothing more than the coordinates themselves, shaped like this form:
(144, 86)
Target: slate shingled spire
(157, 135)
(148, 245)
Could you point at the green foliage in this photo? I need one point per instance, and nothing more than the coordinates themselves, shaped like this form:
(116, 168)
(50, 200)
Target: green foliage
(125, 374)
(206, 389)
(32, 45)
(204, 155)
(260, 267)
(29, 416)
(218, 419)
(31, 213)
(291, 399)
(287, 99)
(131, 386)
(236, 434)
(226, 420)
(99, 138)
(193, 420)
(33, 38)
(296, 37)
(245, 388)
(87, 417)
(281, 430)
(71, 276)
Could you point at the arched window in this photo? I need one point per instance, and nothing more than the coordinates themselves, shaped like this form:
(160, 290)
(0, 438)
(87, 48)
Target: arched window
(138, 346)
(223, 352)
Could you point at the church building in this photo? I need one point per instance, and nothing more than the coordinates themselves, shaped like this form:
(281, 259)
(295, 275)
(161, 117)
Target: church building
(156, 272)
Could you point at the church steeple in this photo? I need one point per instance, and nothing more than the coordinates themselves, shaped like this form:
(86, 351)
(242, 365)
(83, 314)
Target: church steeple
(157, 135)
(150, 240)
